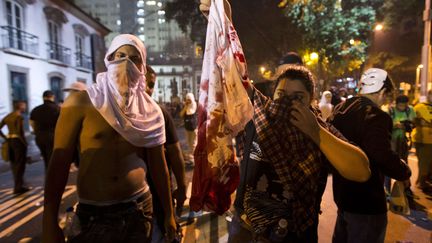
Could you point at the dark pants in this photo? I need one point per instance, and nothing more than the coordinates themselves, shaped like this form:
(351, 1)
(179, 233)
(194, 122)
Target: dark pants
(238, 232)
(45, 143)
(18, 157)
(359, 228)
(123, 222)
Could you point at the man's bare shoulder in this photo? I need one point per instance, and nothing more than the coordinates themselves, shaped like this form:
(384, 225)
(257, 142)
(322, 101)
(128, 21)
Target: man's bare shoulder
(77, 99)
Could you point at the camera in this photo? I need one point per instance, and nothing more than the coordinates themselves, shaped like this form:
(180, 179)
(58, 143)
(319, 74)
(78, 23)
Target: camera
(408, 125)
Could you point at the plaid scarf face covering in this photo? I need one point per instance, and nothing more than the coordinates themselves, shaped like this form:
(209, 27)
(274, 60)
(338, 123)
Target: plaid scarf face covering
(297, 160)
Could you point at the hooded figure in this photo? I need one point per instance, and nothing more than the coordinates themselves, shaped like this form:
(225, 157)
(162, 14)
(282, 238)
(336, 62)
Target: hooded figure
(325, 104)
(119, 96)
(192, 106)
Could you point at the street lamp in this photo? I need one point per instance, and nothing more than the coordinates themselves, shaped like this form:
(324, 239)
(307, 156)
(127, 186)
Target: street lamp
(314, 56)
(379, 27)
(416, 89)
(426, 49)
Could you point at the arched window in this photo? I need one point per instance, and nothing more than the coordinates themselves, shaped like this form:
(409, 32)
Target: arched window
(56, 18)
(56, 84)
(81, 59)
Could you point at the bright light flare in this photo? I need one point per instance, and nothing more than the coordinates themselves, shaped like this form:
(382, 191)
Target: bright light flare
(379, 27)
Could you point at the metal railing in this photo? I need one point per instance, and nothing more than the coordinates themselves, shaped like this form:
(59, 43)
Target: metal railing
(59, 53)
(83, 61)
(19, 39)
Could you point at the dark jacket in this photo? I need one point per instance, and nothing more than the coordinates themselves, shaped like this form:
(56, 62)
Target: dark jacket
(365, 124)
(45, 117)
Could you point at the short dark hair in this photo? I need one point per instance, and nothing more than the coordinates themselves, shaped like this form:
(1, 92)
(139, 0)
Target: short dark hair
(47, 93)
(17, 103)
(389, 86)
(291, 58)
(301, 73)
(150, 71)
(402, 99)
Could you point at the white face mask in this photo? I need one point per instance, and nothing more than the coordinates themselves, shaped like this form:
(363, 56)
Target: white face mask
(125, 74)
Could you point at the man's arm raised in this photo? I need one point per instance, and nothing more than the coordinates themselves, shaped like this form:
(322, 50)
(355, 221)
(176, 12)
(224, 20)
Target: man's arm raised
(65, 142)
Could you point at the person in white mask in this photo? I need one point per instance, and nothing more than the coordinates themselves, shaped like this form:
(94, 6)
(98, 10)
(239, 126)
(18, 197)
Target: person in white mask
(189, 114)
(325, 104)
(120, 133)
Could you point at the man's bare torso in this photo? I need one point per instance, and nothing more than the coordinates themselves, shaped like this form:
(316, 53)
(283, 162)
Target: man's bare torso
(111, 169)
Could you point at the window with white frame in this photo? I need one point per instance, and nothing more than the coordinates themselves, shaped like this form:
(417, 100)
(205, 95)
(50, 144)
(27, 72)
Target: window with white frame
(53, 32)
(79, 43)
(14, 14)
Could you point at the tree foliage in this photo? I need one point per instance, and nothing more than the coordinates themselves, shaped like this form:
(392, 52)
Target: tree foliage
(338, 30)
(190, 20)
(393, 11)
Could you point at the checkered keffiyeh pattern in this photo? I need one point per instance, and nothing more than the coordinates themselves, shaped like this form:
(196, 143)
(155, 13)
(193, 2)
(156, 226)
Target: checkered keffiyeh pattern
(296, 159)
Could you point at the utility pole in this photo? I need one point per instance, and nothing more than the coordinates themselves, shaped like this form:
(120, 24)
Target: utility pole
(426, 49)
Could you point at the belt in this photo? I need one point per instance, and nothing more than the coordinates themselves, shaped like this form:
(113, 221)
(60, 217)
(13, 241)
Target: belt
(115, 207)
(13, 136)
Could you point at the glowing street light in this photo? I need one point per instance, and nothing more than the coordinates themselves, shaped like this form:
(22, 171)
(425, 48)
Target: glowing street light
(417, 81)
(314, 56)
(262, 69)
(379, 27)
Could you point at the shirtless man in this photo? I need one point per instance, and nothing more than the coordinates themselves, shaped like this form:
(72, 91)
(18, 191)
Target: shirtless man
(115, 152)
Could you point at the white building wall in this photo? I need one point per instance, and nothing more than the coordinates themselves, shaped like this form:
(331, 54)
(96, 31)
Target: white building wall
(164, 74)
(38, 66)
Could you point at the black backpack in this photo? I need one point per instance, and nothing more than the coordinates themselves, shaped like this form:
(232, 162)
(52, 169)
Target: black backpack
(190, 122)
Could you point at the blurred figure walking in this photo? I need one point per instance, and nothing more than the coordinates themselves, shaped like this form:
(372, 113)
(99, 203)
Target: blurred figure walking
(43, 120)
(422, 137)
(190, 123)
(403, 116)
(17, 144)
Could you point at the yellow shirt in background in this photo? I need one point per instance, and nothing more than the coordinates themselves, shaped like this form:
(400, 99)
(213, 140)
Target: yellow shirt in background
(423, 134)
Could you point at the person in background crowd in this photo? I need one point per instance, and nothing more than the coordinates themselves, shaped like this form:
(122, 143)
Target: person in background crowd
(343, 94)
(336, 99)
(120, 130)
(325, 105)
(362, 207)
(388, 104)
(403, 117)
(75, 87)
(422, 137)
(189, 114)
(17, 144)
(43, 120)
(174, 159)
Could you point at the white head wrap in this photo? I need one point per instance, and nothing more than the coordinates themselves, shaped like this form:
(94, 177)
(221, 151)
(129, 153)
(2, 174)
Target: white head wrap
(325, 107)
(192, 107)
(138, 119)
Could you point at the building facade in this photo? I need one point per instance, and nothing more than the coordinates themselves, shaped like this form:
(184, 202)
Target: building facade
(108, 13)
(46, 45)
(169, 51)
(174, 79)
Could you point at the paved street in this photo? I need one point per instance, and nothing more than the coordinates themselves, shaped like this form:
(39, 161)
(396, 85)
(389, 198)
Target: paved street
(20, 216)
